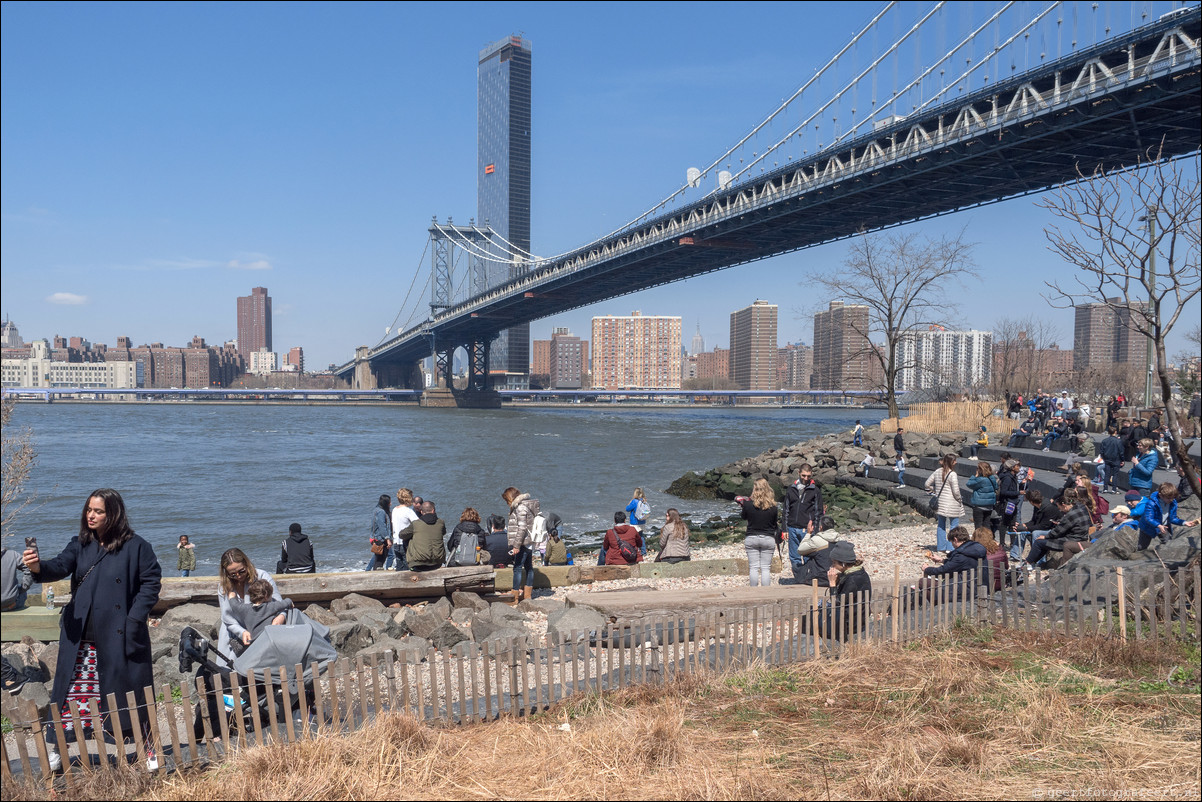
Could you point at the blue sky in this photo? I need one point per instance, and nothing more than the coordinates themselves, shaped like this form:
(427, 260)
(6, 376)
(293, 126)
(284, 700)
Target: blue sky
(161, 159)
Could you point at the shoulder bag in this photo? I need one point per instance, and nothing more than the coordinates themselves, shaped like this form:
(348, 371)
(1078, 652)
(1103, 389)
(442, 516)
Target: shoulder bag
(934, 502)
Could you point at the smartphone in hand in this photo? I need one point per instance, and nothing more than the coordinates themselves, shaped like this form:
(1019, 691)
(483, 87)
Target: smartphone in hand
(31, 543)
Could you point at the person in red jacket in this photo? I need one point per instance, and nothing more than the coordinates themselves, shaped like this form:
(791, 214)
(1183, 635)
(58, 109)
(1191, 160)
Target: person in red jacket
(622, 532)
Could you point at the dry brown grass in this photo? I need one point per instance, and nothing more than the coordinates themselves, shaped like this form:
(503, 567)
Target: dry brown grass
(974, 715)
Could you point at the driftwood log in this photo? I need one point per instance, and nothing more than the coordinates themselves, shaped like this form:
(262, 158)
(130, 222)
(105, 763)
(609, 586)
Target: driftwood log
(305, 589)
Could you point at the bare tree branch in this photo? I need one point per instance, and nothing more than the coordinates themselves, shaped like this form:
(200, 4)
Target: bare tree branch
(1121, 224)
(902, 279)
(16, 464)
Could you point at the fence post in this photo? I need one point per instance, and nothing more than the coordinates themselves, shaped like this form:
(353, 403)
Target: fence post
(814, 616)
(1122, 594)
(39, 743)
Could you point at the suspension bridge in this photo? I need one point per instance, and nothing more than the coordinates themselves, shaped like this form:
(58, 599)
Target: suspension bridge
(932, 145)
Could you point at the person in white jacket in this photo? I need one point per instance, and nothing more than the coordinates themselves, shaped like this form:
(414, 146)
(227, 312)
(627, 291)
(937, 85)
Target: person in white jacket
(945, 485)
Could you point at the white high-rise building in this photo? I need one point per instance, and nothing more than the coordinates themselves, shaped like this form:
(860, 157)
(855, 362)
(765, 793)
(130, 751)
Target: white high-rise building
(934, 359)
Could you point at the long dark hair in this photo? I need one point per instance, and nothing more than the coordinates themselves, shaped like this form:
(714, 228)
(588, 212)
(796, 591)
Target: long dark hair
(385, 502)
(116, 531)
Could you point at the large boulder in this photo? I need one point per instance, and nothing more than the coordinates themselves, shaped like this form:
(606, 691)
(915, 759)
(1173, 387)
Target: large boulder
(446, 635)
(321, 615)
(422, 623)
(382, 623)
(204, 618)
(355, 601)
(487, 628)
(470, 601)
(350, 637)
(503, 612)
(562, 622)
(546, 606)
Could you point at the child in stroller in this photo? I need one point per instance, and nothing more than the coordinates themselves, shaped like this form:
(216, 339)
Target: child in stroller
(267, 664)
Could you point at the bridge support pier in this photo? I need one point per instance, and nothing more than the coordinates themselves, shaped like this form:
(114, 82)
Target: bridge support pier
(478, 394)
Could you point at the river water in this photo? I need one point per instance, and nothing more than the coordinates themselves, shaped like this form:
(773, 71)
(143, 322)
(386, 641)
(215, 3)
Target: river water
(238, 475)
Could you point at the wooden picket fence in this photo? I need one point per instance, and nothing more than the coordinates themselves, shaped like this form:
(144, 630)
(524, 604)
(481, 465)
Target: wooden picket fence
(484, 681)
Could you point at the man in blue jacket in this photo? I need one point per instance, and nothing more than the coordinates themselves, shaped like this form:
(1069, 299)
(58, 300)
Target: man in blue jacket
(1159, 516)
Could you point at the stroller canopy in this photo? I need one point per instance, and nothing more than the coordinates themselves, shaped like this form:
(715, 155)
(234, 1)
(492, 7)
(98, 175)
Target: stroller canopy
(299, 640)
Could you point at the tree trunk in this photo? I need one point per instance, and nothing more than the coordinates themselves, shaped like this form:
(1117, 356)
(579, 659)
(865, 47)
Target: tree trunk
(1180, 453)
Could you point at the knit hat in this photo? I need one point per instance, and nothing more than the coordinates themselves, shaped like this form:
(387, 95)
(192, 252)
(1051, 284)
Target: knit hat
(1132, 497)
(843, 552)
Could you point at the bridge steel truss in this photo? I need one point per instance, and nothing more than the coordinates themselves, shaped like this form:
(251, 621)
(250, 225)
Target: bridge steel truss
(1110, 105)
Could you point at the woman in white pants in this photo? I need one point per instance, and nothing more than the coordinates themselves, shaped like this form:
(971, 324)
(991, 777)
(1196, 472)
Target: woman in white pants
(763, 531)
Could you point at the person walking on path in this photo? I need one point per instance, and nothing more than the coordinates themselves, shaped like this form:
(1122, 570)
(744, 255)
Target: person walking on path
(762, 528)
(945, 484)
(187, 556)
(899, 444)
(857, 437)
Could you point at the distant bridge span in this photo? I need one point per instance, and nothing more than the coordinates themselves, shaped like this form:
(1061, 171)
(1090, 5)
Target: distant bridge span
(1108, 105)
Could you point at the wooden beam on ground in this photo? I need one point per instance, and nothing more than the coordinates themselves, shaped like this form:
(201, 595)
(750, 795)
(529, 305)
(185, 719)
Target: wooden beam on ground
(634, 604)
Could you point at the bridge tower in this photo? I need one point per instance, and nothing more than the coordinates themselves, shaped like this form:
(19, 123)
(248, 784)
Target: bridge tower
(451, 245)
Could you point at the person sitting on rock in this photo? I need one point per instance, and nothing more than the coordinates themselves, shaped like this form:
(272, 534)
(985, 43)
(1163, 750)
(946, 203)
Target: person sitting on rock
(1026, 429)
(1120, 518)
(496, 542)
(866, 463)
(1073, 527)
(1159, 516)
(966, 555)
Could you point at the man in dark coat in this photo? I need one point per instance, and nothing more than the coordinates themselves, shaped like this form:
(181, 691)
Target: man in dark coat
(899, 445)
(112, 594)
(803, 511)
(966, 556)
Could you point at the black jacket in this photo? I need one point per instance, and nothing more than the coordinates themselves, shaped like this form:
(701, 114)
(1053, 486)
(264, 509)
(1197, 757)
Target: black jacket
(1007, 488)
(1043, 518)
(898, 444)
(1111, 450)
(118, 596)
(964, 557)
(296, 555)
(802, 505)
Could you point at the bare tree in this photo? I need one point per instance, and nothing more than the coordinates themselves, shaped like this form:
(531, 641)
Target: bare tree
(1020, 354)
(902, 279)
(17, 463)
(1136, 241)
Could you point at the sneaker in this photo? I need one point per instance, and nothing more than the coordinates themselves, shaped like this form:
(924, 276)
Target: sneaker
(1045, 448)
(152, 760)
(55, 760)
(899, 487)
(14, 685)
(974, 459)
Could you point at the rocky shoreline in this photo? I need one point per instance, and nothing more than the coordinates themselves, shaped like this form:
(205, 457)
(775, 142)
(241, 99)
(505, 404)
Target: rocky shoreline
(833, 459)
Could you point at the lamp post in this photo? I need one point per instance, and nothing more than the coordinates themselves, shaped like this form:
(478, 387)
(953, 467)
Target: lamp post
(1150, 218)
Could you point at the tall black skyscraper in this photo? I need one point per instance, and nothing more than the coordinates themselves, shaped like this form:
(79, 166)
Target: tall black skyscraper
(503, 142)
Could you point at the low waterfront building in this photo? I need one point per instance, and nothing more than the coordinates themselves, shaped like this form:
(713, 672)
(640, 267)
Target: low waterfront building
(39, 370)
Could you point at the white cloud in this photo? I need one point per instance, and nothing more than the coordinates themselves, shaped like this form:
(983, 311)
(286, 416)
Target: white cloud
(254, 264)
(67, 299)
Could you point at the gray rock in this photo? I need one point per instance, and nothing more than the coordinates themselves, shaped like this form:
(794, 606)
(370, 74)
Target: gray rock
(544, 606)
(503, 634)
(462, 615)
(503, 612)
(440, 608)
(446, 635)
(570, 618)
(353, 601)
(382, 624)
(39, 694)
(201, 617)
(418, 646)
(471, 601)
(321, 615)
(421, 623)
(484, 626)
(350, 637)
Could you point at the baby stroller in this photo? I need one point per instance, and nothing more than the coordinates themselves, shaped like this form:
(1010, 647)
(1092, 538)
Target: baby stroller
(299, 640)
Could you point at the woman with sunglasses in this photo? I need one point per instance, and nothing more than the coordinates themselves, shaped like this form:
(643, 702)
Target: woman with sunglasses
(237, 571)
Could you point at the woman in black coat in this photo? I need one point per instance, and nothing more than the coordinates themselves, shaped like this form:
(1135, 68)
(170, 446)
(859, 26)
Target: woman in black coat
(104, 645)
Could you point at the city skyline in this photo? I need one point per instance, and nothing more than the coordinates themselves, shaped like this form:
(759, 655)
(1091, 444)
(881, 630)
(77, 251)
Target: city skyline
(158, 173)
